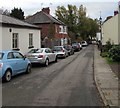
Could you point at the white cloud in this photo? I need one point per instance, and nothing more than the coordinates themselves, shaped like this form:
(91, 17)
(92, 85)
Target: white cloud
(29, 7)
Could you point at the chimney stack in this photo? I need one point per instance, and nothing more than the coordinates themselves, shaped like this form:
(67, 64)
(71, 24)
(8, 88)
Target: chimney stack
(46, 10)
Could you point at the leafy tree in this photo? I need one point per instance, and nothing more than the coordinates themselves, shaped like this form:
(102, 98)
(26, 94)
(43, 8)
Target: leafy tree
(79, 25)
(17, 13)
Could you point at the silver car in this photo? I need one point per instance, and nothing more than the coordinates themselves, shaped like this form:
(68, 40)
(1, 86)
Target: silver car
(42, 56)
(60, 51)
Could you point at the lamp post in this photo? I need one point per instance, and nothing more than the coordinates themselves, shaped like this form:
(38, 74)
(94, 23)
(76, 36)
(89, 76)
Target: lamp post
(100, 19)
(100, 44)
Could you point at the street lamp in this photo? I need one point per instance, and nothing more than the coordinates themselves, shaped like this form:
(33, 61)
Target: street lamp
(100, 44)
(100, 19)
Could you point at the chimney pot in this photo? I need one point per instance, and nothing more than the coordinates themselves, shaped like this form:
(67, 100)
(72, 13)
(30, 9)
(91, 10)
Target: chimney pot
(46, 10)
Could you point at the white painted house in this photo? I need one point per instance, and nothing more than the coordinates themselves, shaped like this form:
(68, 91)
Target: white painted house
(111, 30)
(18, 35)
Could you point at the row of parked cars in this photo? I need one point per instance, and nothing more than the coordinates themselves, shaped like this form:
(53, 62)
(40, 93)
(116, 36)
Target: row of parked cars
(13, 62)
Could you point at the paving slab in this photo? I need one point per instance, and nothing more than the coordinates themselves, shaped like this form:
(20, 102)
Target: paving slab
(106, 80)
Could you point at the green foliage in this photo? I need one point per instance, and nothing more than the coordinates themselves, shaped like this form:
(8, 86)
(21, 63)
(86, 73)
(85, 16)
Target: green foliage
(108, 46)
(114, 53)
(104, 54)
(17, 13)
(79, 25)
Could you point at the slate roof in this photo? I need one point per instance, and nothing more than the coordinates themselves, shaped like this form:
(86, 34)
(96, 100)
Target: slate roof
(43, 18)
(10, 21)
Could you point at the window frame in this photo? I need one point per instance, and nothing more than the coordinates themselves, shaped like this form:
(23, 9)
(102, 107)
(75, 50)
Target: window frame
(15, 41)
(30, 40)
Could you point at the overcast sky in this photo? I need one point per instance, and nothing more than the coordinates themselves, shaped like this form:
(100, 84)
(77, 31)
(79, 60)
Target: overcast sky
(30, 7)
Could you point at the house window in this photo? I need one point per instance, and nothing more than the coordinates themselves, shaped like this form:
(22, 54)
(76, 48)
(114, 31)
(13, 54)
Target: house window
(60, 29)
(30, 39)
(15, 41)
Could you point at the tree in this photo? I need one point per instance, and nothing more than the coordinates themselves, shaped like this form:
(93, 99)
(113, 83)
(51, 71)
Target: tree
(17, 13)
(69, 17)
(79, 25)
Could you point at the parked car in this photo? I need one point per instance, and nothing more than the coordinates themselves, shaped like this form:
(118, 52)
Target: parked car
(60, 51)
(76, 46)
(69, 49)
(13, 63)
(80, 45)
(41, 56)
(84, 43)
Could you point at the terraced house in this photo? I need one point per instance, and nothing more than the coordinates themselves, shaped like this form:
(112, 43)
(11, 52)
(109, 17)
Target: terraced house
(110, 30)
(54, 32)
(18, 35)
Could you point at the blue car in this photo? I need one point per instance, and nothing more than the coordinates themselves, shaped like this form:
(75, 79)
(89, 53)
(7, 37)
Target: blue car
(13, 63)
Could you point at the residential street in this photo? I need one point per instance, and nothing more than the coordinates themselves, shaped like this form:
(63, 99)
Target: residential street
(69, 82)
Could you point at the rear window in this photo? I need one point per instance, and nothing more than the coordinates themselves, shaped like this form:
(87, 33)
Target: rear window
(83, 42)
(74, 44)
(36, 51)
(57, 48)
(1, 55)
(67, 47)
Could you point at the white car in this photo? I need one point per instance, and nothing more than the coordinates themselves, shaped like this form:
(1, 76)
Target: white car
(60, 51)
(42, 56)
(84, 43)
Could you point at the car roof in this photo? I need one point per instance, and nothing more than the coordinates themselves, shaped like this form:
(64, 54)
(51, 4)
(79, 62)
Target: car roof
(6, 51)
(40, 48)
(58, 46)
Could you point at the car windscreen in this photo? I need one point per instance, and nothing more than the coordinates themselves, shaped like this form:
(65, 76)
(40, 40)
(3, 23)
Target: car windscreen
(1, 55)
(36, 51)
(57, 48)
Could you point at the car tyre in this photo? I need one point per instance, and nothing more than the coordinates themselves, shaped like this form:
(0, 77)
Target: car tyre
(46, 62)
(65, 56)
(28, 69)
(8, 75)
(56, 59)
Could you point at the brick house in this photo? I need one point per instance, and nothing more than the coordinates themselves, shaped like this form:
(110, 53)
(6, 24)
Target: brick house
(54, 32)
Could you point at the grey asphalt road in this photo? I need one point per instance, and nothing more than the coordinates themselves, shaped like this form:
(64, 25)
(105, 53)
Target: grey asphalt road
(69, 82)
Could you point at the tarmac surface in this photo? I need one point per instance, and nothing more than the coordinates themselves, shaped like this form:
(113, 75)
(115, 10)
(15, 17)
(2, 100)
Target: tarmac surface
(106, 80)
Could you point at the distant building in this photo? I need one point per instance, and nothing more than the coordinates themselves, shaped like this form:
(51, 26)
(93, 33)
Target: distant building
(110, 30)
(54, 32)
(18, 35)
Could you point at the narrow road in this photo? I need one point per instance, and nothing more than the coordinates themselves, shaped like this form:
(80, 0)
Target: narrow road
(69, 82)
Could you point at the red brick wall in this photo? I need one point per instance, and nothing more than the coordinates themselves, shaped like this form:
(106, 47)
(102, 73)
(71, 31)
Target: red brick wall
(45, 31)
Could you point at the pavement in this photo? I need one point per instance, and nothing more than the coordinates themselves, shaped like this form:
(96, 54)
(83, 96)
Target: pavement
(106, 80)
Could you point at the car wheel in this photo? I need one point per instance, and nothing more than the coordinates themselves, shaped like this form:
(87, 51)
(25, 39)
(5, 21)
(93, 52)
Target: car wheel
(46, 62)
(56, 59)
(28, 69)
(8, 75)
(65, 56)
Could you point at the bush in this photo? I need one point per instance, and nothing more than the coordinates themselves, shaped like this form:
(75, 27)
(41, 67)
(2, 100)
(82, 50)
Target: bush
(108, 46)
(104, 54)
(114, 53)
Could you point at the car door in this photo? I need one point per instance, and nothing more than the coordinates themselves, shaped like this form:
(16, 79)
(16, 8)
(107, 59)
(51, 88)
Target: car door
(52, 55)
(21, 63)
(49, 54)
(11, 62)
